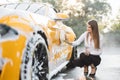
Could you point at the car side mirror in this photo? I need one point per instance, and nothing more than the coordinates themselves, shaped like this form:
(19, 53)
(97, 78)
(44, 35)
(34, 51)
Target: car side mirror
(61, 16)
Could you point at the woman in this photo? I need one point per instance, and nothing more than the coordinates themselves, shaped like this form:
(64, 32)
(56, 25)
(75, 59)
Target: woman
(91, 54)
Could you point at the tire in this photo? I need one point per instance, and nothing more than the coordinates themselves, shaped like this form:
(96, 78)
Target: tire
(35, 60)
(73, 57)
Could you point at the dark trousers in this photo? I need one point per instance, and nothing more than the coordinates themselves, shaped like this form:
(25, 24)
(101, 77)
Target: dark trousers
(87, 60)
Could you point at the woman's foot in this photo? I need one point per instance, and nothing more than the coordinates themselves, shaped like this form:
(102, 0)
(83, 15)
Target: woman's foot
(93, 71)
(92, 75)
(85, 73)
(85, 70)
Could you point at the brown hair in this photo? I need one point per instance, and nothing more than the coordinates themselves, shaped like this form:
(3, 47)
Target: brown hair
(95, 31)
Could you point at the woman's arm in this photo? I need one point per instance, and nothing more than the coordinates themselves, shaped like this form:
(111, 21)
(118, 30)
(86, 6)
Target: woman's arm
(67, 42)
(78, 41)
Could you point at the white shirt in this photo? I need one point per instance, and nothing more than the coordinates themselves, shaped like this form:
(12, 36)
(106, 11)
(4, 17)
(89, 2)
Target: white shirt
(88, 44)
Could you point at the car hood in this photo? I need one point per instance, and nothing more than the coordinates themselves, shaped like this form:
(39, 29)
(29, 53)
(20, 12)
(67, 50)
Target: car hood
(22, 21)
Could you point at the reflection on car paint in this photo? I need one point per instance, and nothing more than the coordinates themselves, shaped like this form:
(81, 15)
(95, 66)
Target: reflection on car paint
(34, 42)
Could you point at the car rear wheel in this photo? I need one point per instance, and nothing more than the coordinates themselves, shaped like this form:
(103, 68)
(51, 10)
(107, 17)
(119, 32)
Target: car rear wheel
(35, 60)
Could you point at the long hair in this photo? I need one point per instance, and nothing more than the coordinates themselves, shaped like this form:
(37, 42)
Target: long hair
(95, 32)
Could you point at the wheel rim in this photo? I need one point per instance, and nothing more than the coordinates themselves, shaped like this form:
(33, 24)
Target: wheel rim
(40, 63)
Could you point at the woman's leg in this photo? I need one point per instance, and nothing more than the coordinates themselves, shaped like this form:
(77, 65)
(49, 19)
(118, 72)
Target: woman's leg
(85, 62)
(93, 71)
(85, 70)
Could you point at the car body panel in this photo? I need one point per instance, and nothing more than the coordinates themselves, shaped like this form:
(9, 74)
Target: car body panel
(12, 49)
(25, 23)
(13, 53)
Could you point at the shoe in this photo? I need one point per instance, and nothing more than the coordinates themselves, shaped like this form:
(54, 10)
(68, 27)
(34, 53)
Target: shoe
(85, 73)
(85, 70)
(92, 75)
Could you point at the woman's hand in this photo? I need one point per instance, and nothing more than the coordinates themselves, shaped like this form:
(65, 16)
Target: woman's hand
(67, 42)
(87, 52)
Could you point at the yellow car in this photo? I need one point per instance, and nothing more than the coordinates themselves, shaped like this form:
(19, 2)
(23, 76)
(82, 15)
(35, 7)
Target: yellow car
(32, 43)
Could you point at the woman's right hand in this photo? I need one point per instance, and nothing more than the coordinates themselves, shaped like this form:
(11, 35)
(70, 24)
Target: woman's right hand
(67, 42)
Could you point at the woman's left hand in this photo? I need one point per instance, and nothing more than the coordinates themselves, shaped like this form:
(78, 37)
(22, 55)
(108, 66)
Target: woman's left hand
(87, 52)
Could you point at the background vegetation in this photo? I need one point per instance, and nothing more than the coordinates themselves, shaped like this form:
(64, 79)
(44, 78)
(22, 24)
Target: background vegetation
(80, 11)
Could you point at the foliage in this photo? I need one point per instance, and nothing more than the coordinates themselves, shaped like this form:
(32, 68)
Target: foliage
(83, 11)
(80, 11)
(116, 23)
(116, 26)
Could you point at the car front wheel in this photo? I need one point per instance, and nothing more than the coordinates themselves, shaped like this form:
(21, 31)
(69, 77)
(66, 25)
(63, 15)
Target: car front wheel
(35, 60)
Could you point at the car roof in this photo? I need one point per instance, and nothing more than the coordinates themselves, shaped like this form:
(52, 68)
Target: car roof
(44, 9)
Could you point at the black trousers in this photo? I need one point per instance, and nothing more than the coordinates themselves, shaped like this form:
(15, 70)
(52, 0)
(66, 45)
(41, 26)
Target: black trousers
(87, 60)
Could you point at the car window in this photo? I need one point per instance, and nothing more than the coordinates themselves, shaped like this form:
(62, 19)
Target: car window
(7, 33)
(47, 11)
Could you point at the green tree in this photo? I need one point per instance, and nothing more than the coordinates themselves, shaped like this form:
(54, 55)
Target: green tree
(116, 23)
(80, 11)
